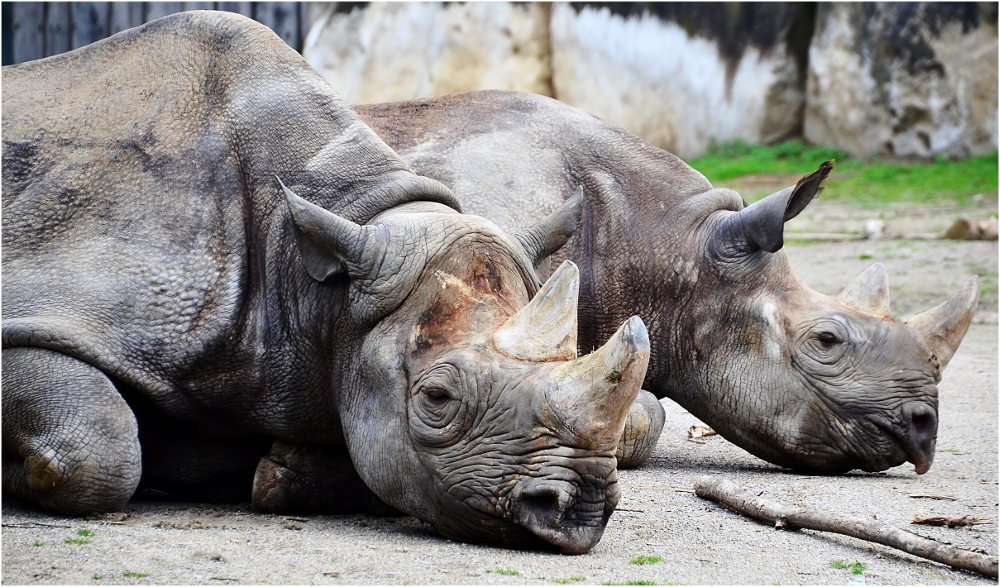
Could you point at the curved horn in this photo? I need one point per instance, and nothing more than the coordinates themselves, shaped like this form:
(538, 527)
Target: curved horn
(761, 225)
(592, 396)
(331, 234)
(551, 233)
(869, 292)
(545, 329)
(941, 329)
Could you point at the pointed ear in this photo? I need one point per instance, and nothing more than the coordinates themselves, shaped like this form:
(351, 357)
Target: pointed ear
(552, 232)
(761, 225)
(327, 243)
(320, 264)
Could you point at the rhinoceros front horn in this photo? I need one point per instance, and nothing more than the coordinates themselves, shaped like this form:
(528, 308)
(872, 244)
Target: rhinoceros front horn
(869, 292)
(592, 395)
(941, 329)
(545, 329)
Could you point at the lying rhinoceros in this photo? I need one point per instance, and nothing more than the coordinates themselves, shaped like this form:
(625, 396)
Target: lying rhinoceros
(804, 380)
(169, 312)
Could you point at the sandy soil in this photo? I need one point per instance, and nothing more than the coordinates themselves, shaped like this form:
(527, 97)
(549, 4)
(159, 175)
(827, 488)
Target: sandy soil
(699, 542)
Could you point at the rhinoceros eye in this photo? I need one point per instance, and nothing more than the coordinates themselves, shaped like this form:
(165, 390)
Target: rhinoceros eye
(828, 339)
(439, 403)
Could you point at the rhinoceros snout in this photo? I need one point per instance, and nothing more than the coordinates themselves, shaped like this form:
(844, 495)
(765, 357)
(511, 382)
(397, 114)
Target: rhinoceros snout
(919, 435)
(551, 511)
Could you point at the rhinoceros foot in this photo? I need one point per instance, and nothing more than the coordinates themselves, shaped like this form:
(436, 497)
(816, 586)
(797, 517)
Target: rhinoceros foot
(70, 441)
(314, 479)
(642, 431)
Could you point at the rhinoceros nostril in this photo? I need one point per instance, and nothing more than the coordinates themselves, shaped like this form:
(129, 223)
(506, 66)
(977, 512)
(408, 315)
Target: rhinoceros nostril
(920, 435)
(923, 422)
(547, 504)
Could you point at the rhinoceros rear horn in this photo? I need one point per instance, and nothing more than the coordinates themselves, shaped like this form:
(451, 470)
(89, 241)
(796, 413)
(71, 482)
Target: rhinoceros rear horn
(761, 225)
(551, 233)
(941, 329)
(328, 244)
(545, 329)
(869, 292)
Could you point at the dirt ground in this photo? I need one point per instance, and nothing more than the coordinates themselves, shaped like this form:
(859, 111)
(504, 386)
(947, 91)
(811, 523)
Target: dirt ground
(699, 542)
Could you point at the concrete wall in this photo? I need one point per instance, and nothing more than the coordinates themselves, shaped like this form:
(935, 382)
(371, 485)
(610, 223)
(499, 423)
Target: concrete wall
(906, 79)
(876, 79)
(685, 73)
(393, 51)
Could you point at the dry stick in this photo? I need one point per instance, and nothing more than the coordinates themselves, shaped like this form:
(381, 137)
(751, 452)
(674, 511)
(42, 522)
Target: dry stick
(730, 495)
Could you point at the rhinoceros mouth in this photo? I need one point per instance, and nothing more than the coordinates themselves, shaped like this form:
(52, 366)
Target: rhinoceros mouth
(911, 445)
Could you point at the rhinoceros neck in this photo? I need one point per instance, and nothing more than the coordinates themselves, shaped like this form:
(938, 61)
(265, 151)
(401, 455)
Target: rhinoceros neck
(514, 158)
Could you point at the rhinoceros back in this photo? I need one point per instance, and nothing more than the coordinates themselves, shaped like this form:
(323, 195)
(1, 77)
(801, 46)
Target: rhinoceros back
(143, 228)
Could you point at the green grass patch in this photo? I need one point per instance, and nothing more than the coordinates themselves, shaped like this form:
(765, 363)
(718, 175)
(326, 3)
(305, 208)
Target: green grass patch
(39, 543)
(137, 575)
(97, 577)
(85, 532)
(988, 283)
(867, 182)
(736, 158)
(855, 567)
(572, 579)
(77, 541)
(511, 572)
(646, 560)
(630, 583)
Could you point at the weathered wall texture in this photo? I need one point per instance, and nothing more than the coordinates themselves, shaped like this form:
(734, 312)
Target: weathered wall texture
(684, 73)
(876, 79)
(906, 79)
(392, 51)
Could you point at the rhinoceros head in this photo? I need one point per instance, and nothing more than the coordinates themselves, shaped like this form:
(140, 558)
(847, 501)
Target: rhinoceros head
(814, 382)
(471, 409)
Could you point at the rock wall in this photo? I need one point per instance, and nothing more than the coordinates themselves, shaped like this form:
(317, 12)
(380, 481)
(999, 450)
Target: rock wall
(389, 51)
(876, 79)
(684, 73)
(905, 79)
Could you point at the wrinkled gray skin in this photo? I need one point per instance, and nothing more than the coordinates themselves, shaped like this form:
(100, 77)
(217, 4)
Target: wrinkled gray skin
(169, 312)
(803, 380)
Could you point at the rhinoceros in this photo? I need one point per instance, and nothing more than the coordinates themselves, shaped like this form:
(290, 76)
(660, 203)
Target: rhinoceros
(172, 311)
(800, 379)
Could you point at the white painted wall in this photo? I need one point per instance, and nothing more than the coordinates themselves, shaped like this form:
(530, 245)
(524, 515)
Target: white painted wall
(669, 88)
(392, 51)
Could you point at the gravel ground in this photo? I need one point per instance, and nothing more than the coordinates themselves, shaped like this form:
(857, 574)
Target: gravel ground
(699, 542)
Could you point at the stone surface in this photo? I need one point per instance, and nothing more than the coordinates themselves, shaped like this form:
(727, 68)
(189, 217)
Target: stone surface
(388, 51)
(906, 79)
(683, 75)
(875, 79)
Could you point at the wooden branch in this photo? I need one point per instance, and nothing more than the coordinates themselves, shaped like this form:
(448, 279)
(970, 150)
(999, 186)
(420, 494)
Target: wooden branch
(950, 522)
(730, 495)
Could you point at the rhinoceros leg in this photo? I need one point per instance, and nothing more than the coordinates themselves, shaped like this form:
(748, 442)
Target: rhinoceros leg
(314, 479)
(70, 442)
(642, 431)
